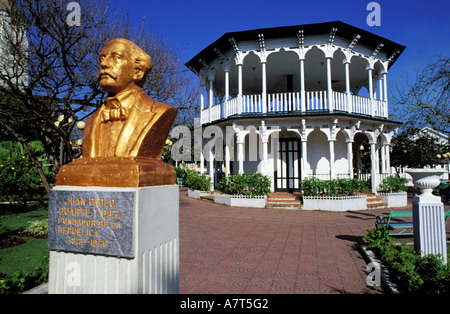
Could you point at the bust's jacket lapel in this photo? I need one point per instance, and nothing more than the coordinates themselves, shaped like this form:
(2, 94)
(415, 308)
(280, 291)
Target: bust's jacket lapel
(141, 111)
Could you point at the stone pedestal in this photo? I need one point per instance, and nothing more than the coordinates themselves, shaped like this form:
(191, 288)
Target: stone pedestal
(429, 227)
(114, 240)
(428, 214)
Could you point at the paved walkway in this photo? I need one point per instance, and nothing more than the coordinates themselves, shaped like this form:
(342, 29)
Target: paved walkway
(248, 251)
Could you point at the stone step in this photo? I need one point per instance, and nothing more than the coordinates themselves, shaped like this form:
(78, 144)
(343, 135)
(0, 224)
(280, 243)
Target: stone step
(284, 200)
(375, 201)
(285, 203)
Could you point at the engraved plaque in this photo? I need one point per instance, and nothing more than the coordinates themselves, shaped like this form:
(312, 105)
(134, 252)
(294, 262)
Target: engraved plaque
(92, 222)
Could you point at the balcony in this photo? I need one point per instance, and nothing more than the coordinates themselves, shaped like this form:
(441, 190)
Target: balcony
(291, 103)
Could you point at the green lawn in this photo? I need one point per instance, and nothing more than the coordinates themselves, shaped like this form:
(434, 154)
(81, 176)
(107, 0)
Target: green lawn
(30, 251)
(23, 258)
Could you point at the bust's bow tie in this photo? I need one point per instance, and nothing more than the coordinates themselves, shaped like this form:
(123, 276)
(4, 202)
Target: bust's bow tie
(114, 110)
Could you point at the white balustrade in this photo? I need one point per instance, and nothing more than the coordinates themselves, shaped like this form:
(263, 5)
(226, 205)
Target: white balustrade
(216, 112)
(291, 102)
(283, 102)
(316, 100)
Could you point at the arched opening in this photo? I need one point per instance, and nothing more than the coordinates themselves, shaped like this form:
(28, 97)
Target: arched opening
(287, 167)
(283, 72)
(318, 162)
(362, 163)
(252, 75)
(341, 155)
(315, 70)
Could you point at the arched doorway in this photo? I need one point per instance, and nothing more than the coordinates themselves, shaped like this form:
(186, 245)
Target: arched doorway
(287, 174)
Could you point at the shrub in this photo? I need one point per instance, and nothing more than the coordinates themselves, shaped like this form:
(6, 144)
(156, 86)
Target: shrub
(335, 187)
(37, 228)
(180, 172)
(19, 179)
(412, 272)
(198, 182)
(394, 184)
(20, 282)
(249, 185)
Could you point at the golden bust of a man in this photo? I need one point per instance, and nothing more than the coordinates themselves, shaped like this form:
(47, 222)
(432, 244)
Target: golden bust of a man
(124, 138)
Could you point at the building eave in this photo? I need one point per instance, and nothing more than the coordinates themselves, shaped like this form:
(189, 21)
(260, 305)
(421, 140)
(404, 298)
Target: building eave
(345, 115)
(343, 30)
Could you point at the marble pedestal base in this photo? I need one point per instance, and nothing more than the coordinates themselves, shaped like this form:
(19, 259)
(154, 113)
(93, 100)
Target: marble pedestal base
(429, 226)
(80, 263)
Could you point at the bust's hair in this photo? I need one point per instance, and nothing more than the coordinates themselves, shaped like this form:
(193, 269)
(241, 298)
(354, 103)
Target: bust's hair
(142, 61)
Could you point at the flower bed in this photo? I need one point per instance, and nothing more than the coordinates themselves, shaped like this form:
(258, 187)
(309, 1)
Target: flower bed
(398, 199)
(197, 193)
(240, 200)
(412, 272)
(335, 203)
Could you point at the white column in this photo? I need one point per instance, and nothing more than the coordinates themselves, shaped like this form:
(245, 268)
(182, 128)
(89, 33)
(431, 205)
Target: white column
(202, 102)
(227, 91)
(227, 157)
(372, 109)
(304, 158)
(383, 158)
(388, 159)
(347, 87)
(211, 168)
(265, 143)
(240, 156)
(210, 99)
(350, 158)
(302, 84)
(264, 87)
(202, 157)
(239, 111)
(380, 88)
(374, 166)
(329, 86)
(332, 172)
(386, 111)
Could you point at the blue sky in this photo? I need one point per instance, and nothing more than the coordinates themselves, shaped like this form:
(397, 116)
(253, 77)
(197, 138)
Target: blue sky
(191, 25)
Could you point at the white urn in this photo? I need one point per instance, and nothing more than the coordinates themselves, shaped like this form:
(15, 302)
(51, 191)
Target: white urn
(426, 180)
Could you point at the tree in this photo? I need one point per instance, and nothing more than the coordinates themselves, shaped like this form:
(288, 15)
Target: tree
(51, 68)
(426, 102)
(415, 149)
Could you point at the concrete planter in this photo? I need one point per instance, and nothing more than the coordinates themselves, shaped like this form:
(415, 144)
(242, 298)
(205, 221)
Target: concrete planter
(338, 203)
(238, 201)
(196, 193)
(395, 199)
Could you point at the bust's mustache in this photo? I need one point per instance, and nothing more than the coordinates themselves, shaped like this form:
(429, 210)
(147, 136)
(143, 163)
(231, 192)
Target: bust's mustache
(107, 73)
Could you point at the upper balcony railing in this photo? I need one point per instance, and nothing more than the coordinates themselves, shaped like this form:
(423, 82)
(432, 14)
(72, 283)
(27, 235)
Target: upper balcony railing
(315, 101)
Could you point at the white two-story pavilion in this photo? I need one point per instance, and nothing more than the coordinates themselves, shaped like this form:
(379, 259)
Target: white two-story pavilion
(300, 101)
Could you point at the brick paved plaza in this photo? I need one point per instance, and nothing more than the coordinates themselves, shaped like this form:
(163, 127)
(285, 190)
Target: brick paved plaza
(244, 250)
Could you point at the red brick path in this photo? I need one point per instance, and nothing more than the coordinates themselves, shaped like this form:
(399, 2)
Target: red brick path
(243, 250)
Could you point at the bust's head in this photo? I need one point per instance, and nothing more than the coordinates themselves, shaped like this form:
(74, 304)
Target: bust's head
(122, 66)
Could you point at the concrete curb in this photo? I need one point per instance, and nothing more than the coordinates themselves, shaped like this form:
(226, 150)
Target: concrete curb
(385, 276)
(41, 289)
